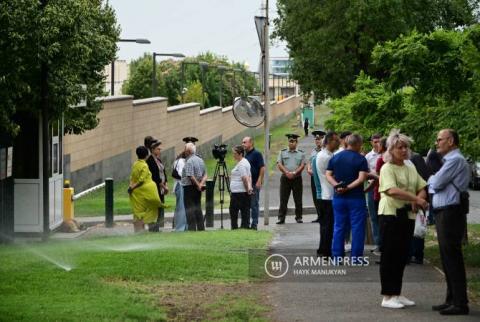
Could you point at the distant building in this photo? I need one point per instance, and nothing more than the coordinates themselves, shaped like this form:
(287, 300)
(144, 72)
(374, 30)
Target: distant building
(280, 65)
(121, 75)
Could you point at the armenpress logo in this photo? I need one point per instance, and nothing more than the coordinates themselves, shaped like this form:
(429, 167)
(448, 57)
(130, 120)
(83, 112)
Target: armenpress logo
(276, 266)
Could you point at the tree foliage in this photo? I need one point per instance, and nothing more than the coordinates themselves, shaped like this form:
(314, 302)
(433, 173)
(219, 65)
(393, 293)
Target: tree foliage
(169, 79)
(433, 83)
(330, 41)
(74, 38)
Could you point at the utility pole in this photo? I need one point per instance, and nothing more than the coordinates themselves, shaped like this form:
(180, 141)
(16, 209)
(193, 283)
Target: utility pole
(45, 136)
(266, 88)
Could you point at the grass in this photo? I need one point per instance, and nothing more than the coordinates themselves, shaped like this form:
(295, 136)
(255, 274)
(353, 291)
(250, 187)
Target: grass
(187, 276)
(471, 253)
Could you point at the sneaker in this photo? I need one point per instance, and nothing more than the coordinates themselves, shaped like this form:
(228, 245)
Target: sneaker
(403, 300)
(392, 303)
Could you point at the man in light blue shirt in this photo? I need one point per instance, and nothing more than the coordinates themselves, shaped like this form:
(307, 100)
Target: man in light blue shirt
(450, 220)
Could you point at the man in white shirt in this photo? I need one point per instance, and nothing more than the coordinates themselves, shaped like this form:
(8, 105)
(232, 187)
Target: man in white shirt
(372, 157)
(331, 142)
(343, 138)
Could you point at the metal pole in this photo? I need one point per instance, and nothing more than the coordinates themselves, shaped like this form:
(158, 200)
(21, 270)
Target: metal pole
(221, 88)
(203, 86)
(112, 79)
(154, 77)
(182, 90)
(44, 107)
(266, 61)
(209, 204)
(109, 202)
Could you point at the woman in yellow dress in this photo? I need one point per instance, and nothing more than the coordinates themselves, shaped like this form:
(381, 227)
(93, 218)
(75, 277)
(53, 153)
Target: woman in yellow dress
(143, 192)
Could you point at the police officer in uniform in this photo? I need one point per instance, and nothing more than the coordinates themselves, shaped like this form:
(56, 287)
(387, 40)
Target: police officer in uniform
(291, 162)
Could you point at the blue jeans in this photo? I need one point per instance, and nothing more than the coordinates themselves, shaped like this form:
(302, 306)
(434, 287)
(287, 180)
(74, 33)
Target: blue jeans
(254, 207)
(348, 211)
(180, 215)
(372, 211)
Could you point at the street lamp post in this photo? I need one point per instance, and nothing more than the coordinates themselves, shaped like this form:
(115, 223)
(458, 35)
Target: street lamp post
(203, 68)
(221, 70)
(154, 74)
(112, 76)
(234, 92)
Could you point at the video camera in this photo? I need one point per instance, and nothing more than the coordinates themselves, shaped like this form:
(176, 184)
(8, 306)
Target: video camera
(219, 151)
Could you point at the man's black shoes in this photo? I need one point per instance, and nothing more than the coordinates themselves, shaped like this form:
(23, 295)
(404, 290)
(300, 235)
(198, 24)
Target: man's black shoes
(281, 222)
(455, 310)
(253, 227)
(299, 220)
(316, 220)
(441, 307)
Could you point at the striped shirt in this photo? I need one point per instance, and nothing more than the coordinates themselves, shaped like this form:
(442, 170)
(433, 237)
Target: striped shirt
(454, 172)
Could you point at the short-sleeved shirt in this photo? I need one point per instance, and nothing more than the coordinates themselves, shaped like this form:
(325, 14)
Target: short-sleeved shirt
(323, 157)
(291, 160)
(372, 157)
(241, 169)
(194, 167)
(255, 159)
(404, 177)
(346, 167)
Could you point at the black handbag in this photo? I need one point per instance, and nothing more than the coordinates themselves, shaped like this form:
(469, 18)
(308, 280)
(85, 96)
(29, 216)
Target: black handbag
(175, 173)
(464, 200)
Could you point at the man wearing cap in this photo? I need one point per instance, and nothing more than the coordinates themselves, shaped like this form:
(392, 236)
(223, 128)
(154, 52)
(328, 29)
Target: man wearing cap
(312, 171)
(343, 143)
(291, 162)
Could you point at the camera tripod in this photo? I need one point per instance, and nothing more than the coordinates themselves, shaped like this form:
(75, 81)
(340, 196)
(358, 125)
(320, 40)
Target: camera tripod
(221, 172)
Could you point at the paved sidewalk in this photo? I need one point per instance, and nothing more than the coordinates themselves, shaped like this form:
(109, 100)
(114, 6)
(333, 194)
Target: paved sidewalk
(357, 300)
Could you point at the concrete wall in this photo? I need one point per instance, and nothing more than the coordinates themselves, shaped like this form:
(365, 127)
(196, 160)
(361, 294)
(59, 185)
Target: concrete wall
(109, 149)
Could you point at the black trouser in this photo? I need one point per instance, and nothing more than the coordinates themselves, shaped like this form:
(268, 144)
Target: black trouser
(417, 247)
(155, 227)
(396, 234)
(286, 186)
(192, 199)
(240, 201)
(316, 201)
(326, 228)
(450, 224)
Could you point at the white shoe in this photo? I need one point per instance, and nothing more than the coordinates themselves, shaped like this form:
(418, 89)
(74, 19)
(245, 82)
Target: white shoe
(392, 303)
(403, 300)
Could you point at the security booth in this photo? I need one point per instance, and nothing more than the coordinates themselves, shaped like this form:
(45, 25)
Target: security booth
(27, 175)
(308, 112)
(6, 189)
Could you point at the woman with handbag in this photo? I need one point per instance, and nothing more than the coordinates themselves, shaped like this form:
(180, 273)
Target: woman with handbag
(402, 193)
(179, 216)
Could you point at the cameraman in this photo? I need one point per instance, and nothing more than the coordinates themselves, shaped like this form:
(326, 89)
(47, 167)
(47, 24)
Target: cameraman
(241, 189)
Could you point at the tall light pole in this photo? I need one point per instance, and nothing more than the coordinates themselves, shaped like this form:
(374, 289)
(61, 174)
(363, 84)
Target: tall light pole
(266, 62)
(154, 74)
(221, 71)
(112, 74)
(203, 68)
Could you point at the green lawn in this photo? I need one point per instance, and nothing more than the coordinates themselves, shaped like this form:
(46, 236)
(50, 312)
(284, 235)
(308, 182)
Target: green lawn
(471, 254)
(147, 277)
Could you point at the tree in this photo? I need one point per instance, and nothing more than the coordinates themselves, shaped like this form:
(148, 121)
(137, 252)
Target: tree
(194, 93)
(330, 41)
(433, 83)
(75, 38)
(169, 79)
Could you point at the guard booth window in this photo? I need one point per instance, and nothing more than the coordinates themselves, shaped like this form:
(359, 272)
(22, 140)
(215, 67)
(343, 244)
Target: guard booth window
(56, 148)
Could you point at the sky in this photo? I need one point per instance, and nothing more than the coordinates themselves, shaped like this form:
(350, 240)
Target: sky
(190, 27)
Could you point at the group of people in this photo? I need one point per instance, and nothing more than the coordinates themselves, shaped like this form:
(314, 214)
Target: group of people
(395, 185)
(148, 186)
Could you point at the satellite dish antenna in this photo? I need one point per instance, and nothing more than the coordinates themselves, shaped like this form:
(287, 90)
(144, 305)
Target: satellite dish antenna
(248, 111)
